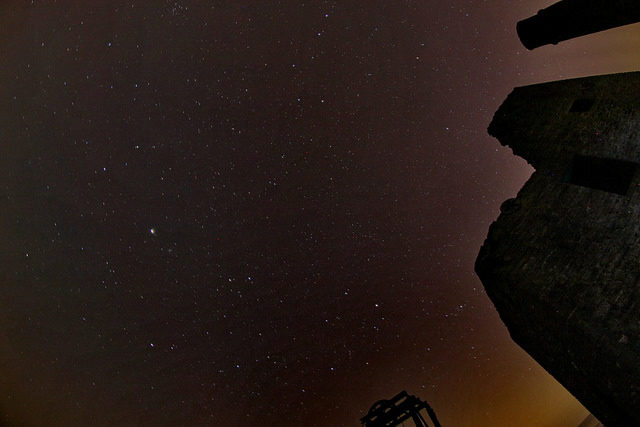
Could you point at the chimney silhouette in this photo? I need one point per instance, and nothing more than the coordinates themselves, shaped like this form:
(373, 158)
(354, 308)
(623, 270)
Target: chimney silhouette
(568, 19)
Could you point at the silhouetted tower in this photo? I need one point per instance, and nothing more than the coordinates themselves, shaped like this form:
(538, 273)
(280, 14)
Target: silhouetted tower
(574, 18)
(562, 262)
(390, 413)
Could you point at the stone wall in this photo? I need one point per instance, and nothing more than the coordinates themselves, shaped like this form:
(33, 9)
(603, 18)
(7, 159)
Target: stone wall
(562, 262)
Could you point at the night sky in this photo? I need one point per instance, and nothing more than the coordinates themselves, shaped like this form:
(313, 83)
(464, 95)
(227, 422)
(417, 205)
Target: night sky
(263, 213)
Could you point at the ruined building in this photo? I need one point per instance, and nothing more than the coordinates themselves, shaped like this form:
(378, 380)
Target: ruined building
(562, 262)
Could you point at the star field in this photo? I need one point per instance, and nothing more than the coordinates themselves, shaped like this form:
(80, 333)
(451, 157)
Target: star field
(262, 213)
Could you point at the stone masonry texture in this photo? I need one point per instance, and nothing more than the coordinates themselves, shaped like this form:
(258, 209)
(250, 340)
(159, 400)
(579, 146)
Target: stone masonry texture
(562, 262)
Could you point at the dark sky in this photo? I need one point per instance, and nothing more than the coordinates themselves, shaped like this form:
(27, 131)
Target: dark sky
(263, 212)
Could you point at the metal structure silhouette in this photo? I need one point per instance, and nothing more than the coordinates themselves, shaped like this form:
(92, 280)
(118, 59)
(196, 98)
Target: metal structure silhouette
(567, 19)
(401, 407)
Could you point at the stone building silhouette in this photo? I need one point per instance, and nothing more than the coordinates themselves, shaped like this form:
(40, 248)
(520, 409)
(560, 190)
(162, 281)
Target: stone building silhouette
(562, 262)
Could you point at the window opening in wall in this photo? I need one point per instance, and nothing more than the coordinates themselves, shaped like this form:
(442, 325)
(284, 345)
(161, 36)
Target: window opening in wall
(582, 105)
(603, 174)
